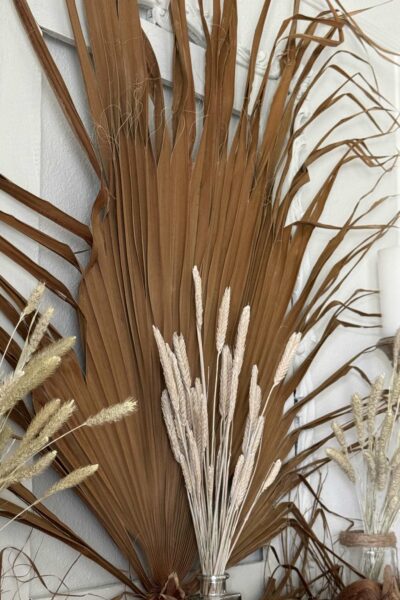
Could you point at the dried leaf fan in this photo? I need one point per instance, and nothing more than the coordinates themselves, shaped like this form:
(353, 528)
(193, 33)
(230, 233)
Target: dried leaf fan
(162, 208)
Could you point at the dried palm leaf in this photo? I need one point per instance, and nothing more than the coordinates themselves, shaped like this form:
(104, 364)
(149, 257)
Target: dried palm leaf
(225, 205)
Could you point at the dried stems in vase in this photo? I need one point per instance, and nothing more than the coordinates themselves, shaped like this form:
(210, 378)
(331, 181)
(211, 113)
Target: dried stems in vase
(378, 440)
(199, 420)
(27, 456)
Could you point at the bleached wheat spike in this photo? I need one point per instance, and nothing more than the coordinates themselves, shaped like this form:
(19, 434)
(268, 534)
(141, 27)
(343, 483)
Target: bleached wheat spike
(339, 434)
(252, 419)
(394, 485)
(59, 419)
(180, 387)
(29, 471)
(34, 300)
(170, 425)
(71, 480)
(41, 418)
(233, 391)
(248, 430)
(38, 333)
(182, 358)
(375, 395)
(236, 477)
(386, 429)
(257, 436)
(358, 418)
(186, 475)
(6, 435)
(394, 504)
(35, 374)
(244, 479)
(195, 461)
(371, 465)
(210, 482)
(163, 350)
(59, 348)
(394, 393)
(241, 336)
(223, 319)
(272, 475)
(254, 396)
(343, 462)
(287, 358)
(204, 424)
(112, 414)
(198, 297)
(395, 458)
(195, 413)
(225, 381)
(7, 383)
(382, 469)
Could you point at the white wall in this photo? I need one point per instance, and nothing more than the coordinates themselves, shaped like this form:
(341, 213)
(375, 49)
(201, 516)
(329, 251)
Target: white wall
(38, 151)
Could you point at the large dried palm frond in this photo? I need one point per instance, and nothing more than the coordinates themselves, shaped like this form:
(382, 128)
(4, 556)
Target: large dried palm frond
(224, 202)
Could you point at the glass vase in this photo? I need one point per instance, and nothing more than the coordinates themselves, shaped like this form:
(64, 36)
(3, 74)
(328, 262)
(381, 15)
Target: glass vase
(213, 587)
(369, 554)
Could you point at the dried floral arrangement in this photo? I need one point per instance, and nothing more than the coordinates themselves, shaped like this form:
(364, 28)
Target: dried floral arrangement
(378, 446)
(27, 456)
(204, 452)
(226, 205)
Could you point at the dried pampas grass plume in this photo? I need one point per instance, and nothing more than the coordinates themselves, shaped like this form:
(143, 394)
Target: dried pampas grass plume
(287, 358)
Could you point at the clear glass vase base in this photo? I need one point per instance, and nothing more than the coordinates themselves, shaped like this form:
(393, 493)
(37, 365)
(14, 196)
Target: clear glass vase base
(213, 587)
(224, 596)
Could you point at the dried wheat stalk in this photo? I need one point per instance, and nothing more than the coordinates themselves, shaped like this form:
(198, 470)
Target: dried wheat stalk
(216, 500)
(28, 456)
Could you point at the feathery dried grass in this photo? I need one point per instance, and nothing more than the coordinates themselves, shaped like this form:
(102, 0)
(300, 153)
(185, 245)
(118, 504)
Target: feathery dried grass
(216, 503)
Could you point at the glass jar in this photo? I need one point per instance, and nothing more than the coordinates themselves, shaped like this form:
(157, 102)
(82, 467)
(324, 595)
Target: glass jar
(214, 587)
(369, 554)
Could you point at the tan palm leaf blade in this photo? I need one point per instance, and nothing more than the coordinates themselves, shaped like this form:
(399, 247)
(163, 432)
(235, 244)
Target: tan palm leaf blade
(165, 205)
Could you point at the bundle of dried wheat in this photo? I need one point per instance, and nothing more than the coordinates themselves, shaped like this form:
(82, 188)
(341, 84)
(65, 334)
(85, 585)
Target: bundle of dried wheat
(379, 441)
(25, 457)
(217, 501)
